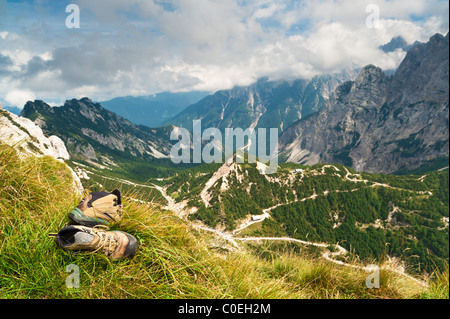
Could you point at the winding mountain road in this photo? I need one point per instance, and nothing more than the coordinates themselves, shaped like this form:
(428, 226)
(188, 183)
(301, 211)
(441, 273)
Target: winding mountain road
(179, 208)
(328, 255)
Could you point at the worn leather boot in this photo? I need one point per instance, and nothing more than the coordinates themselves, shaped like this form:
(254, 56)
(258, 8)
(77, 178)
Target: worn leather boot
(98, 208)
(114, 244)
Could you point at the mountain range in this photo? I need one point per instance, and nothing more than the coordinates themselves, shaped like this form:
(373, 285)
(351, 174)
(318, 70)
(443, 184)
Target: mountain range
(268, 104)
(370, 122)
(93, 133)
(334, 131)
(378, 123)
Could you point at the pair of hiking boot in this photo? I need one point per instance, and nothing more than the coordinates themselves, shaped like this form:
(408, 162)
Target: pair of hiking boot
(89, 230)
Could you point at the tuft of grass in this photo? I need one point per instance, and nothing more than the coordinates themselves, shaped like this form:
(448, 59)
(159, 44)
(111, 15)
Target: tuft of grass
(438, 285)
(173, 260)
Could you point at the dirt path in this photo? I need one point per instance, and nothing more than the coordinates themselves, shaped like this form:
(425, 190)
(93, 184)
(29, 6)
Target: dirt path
(178, 208)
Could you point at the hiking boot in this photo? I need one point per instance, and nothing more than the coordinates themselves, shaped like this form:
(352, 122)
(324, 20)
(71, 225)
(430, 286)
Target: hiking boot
(98, 208)
(114, 244)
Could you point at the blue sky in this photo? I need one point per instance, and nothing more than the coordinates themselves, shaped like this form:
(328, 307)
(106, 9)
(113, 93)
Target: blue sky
(141, 47)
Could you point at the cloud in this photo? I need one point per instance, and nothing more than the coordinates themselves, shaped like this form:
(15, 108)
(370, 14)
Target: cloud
(5, 64)
(143, 46)
(19, 97)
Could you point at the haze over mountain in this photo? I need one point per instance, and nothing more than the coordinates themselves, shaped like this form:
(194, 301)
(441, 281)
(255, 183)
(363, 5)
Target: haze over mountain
(381, 124)
(152, 110)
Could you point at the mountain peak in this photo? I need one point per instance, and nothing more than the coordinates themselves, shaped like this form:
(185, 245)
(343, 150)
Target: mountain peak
(397, 42)
(85, 101)
(423, 73)
(437, 38)
(370, 76)
(32, 109)
(370, 69)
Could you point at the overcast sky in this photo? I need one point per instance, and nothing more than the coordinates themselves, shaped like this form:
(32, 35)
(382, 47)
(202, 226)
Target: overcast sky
(141, 47)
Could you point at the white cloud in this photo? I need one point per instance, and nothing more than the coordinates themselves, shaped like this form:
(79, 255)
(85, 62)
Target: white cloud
(19, 97)
(19, 57)
(46, 56)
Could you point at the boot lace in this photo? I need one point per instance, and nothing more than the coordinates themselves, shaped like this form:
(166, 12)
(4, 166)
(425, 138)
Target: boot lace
(108, 241)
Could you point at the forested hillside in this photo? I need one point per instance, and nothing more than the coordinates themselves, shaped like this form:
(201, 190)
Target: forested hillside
(371, 215)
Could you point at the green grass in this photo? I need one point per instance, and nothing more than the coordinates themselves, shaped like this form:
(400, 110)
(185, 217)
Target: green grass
(172, 261)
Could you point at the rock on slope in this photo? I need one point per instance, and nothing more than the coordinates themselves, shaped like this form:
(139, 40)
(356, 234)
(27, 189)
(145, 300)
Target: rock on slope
(29, 139)
(380, 124)
(26, 135)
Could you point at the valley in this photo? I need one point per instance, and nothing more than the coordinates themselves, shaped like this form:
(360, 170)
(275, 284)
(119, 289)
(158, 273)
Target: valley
(325, 205)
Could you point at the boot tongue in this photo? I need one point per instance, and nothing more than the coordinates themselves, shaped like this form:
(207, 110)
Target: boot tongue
(83, 238)
(76, 237)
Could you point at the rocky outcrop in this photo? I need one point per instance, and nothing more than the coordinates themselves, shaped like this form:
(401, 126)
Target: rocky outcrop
(29, 139)
(26, 135)
(380, 124)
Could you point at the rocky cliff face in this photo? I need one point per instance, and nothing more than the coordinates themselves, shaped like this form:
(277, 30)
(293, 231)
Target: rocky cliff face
(268, 104)
(90, 131)
(29, 137)
(381, 124)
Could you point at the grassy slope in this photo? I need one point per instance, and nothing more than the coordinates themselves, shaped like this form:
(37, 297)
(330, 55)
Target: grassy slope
(173, 261)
